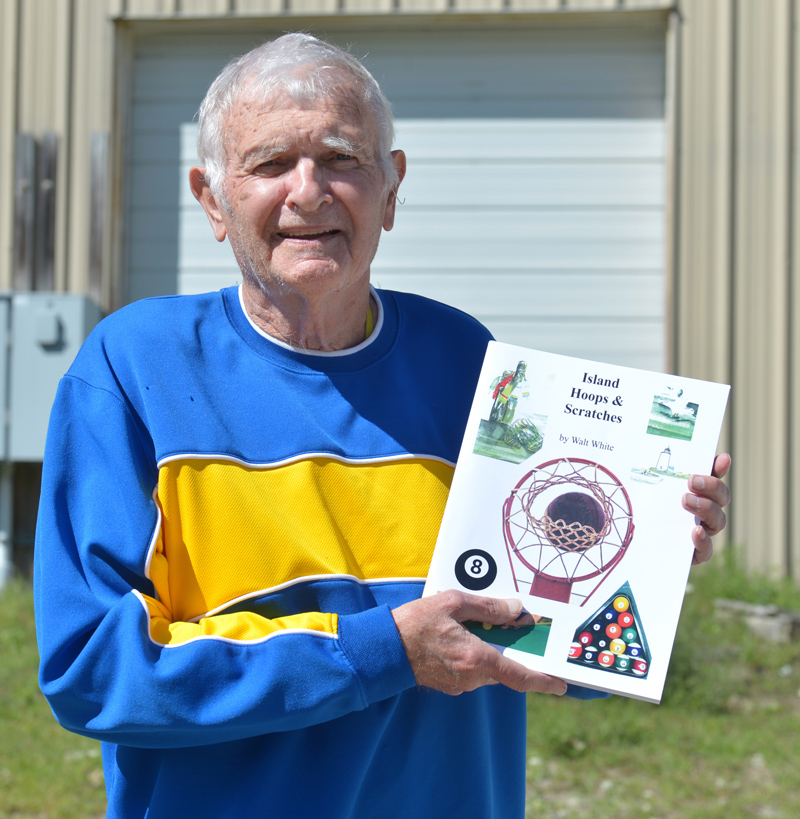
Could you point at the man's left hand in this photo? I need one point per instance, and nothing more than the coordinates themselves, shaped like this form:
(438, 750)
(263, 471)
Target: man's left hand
(707, 497)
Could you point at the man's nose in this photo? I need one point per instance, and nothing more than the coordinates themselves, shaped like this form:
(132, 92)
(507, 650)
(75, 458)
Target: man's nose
(307, 186)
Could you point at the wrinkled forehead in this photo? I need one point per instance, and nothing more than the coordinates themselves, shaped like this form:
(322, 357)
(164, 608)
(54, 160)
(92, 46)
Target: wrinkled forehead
(284, 108)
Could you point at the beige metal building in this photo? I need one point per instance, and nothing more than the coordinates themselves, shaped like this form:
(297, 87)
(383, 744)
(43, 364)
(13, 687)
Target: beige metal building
(607, 178)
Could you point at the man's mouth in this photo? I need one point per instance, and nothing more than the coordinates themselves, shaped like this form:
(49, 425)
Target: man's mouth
(307, 234)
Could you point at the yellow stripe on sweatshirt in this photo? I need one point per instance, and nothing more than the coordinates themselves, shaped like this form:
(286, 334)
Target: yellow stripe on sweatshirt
(230, 530)
(237, 626)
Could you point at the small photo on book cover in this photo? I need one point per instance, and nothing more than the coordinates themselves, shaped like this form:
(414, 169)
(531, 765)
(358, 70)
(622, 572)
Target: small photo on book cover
(529, 634)
(513, 427)
(566, 524)
(673, 414)
(613, 638)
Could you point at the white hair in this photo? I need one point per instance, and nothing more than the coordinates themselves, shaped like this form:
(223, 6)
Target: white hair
(305, 68)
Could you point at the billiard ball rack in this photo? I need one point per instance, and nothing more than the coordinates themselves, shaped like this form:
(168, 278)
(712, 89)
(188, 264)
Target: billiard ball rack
(613, 639)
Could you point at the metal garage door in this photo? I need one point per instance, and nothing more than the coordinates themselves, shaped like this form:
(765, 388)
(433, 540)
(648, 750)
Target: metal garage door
(535, 190)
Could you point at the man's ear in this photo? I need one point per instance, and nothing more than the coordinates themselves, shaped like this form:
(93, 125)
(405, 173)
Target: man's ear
(399, 162)
(202, 193)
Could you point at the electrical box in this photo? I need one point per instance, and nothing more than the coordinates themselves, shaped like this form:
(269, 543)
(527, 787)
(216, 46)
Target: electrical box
(47, 330)
(5, 323)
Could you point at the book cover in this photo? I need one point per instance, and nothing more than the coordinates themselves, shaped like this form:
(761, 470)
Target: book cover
(567, 495)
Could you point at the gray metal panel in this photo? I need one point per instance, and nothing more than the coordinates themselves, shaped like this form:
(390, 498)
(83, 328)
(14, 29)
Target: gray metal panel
(535, 191)
(47, 332)
(5, 325)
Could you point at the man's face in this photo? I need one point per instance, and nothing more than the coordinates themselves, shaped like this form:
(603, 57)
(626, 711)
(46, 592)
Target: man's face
(306, 197)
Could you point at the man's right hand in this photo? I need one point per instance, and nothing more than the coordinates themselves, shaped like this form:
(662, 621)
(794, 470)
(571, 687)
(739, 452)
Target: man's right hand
(445, 656)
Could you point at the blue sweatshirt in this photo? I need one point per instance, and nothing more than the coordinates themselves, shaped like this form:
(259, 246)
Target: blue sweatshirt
(224, 527)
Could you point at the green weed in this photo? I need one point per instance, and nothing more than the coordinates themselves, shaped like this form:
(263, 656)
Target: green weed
(722, 743)
(45, 771)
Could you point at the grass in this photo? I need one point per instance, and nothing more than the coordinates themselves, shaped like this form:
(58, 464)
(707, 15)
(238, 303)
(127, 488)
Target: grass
(721, 744)
(45, 771)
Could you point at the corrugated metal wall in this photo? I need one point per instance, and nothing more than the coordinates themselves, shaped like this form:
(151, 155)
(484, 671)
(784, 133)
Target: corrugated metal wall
(737, 189)
(737, 248)
(57, 77)
(215, 8)
(59, 74)
(8, 127)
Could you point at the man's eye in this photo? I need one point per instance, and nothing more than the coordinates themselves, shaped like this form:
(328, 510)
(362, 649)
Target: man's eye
(344, 157)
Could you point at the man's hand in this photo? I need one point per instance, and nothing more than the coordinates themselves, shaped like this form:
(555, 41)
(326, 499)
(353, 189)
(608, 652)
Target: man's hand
(446, 657)
(706, 500)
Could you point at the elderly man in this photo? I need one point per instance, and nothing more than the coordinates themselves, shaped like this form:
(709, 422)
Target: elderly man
(242, 492)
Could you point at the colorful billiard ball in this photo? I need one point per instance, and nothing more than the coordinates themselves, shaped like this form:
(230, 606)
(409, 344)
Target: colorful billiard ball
(601, 644)
(606, 658)
(589, 654)
(639, 668)
(610, 615)
(629, 635)
(613, 630)
(597, 626)
(617, 646)
(585, 638)
(623, 662)
(635, 650)
(621, 603)
(575, 650)
(625, 619)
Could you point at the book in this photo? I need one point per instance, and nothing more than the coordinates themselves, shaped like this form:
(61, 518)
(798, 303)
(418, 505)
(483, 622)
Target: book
(567, 495)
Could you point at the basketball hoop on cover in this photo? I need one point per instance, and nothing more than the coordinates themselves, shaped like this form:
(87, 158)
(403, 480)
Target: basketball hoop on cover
(568, 520)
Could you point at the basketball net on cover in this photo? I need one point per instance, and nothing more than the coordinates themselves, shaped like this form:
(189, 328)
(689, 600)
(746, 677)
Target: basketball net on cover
(587, 541)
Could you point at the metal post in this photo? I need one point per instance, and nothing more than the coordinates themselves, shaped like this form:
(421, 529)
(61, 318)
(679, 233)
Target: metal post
(97, 213)
(6, 521)
(47, 160)
(24, 211)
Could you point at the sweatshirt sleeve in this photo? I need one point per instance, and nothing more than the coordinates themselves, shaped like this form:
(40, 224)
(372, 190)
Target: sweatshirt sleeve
(104, 668)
